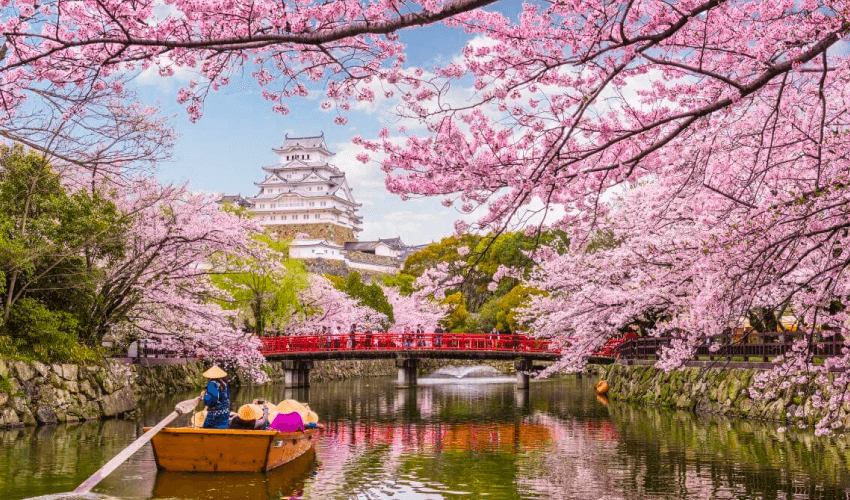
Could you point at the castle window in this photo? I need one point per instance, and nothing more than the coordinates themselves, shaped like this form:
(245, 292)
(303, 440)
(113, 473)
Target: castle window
(312, 204)
(283, 217)
(306, 216)
(316, 216)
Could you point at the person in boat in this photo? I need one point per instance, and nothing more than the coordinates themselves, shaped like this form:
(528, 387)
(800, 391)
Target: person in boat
(216, 399)
(252, 417)
(290, 416)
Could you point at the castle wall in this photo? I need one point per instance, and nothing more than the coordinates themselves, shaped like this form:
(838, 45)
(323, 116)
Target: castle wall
(323, 231)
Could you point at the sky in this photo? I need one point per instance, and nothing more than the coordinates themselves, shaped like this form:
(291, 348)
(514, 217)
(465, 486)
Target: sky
(225, 150)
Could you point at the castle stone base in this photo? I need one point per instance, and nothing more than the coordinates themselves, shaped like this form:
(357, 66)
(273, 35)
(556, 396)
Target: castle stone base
(324, 231)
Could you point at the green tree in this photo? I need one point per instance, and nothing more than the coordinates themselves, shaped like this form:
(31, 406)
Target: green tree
(263, 287)
(370, 295)
(404, 282)
(51, 243)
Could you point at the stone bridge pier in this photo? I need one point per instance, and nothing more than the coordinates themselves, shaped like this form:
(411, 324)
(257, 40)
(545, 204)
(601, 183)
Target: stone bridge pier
(296, 372)
(407, 368)
(523, 367)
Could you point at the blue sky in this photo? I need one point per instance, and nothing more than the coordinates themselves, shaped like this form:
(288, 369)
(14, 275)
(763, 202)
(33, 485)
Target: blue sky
(225, 150)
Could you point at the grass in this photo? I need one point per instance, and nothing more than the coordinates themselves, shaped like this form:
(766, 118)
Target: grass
(5, 385)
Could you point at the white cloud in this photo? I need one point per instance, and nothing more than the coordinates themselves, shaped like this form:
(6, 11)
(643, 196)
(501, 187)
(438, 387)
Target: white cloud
(151, 77)
(414, 227)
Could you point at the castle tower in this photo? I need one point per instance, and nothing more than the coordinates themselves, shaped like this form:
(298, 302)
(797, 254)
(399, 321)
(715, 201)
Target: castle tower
(303, 193)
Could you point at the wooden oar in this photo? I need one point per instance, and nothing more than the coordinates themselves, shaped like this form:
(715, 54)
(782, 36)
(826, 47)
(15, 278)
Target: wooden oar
(181, 408)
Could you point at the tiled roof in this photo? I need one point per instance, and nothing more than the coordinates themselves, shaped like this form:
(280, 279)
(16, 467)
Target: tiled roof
(317, 141)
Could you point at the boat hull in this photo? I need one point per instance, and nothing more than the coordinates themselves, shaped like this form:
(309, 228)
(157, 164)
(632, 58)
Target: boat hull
(227, 450)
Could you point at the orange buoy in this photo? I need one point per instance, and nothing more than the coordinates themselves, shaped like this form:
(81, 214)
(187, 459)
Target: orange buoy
(601, 387)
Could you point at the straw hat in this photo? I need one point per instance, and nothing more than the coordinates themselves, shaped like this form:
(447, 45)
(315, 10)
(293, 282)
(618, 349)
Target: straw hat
(310, 418)
(199, 418)
(289, 406)
(250, 412)
(215, 372)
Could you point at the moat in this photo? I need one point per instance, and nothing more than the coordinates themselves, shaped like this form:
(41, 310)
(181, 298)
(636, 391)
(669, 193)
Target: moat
(459, 440)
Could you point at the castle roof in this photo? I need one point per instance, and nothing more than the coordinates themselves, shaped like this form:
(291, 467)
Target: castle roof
(235, 199)
(309, 142)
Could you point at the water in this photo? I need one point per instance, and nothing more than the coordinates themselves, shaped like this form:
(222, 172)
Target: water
(457, 441)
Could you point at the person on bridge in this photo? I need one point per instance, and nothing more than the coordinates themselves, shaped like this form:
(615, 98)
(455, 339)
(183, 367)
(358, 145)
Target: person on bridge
(420, 335)
(337, 335)
(217, 399)
(407, 337)
(353, 335)
(438, 336)
(368, 336)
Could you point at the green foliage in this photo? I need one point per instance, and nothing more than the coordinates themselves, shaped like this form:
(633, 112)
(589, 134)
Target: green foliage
(5, 385)
(38, 333)
(458, 319)
(500, 311)
(52, 243)
(265, 288)
(486, 255)
(370, 295)
(403, 282)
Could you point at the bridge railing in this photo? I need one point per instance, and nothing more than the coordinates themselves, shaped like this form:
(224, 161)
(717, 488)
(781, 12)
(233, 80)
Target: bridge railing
(750, 346)
(404, 342)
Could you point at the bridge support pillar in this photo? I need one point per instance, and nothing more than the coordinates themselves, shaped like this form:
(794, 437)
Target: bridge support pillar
(407, 368)
(296, 372)
(523, 372)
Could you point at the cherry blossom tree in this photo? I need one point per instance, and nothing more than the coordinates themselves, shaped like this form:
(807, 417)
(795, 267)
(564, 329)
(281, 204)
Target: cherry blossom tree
(412, 310)
(323, 305)
(159, 287)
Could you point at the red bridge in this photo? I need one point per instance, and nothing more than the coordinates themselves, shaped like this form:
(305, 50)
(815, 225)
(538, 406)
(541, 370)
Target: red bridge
(299, 352)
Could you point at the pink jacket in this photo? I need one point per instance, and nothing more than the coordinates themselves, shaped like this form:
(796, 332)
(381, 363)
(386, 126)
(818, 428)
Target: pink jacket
(287, 422)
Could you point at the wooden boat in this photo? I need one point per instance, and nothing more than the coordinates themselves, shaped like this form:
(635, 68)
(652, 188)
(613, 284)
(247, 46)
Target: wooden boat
(187, 449)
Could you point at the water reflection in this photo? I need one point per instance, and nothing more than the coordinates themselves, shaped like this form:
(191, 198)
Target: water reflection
(458, 441)
(285, 482)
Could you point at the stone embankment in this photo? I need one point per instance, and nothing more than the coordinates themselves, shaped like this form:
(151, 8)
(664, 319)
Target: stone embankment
(36, 393)
(718, 391)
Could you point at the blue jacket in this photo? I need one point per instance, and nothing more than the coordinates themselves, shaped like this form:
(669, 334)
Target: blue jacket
(217, 400)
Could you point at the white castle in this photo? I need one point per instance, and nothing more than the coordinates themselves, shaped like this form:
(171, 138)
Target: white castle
(303, 193)
(306, 198)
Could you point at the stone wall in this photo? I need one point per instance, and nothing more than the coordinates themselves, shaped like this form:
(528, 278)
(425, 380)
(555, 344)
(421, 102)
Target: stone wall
(157, 379)
(719, 391)
(322, 231)
(34, 392)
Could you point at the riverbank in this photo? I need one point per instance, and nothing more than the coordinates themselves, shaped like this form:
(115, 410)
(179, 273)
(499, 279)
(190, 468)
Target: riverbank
(33, 393)
(718, 391)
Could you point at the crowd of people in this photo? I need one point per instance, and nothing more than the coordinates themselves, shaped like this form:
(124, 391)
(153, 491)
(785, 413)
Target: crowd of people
(365, 338)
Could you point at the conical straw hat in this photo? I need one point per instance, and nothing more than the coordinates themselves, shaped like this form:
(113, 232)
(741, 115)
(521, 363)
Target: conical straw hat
(311, 417)
(215, 372)
(199, 418)
(250, 412)
(289, 406)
